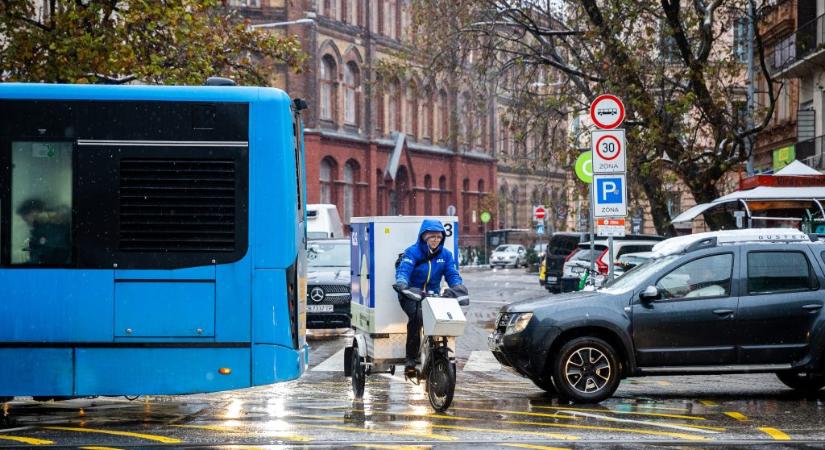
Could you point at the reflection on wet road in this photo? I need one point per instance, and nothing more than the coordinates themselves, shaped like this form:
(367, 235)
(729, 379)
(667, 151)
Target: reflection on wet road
(492, 409)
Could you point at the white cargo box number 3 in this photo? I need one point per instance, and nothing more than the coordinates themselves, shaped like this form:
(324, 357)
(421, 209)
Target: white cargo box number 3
(442, 317)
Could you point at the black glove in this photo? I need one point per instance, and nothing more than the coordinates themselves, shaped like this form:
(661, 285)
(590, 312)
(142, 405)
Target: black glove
(460, 292)
(399, 286)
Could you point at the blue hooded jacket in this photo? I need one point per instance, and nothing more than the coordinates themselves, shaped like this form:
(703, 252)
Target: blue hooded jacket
(423, 269)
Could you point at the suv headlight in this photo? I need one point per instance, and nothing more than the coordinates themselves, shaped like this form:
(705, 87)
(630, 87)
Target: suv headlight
(518, 322)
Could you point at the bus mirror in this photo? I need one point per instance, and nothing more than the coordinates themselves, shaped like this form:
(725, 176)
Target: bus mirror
(300, 104)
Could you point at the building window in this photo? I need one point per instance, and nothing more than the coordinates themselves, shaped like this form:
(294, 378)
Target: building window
(465, 203)
(374, 16)
(246, 3)
(326, 177)
(328, 84)
(392, 107)
(502, 207)
(351, 178)
(514, 212)
(442, 195)
(411, 117)
(426, 115)
(444, 122)
(389, 19)
(352, 12)
(428, 195)
(352, 82)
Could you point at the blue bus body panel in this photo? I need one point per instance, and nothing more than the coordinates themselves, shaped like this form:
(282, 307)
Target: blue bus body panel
(163, 309)
(271, 321)
(56, 305)
(234, 301)
(44, 91)
(273, 363)
(189, 273)
(145, 371)
(36, 371)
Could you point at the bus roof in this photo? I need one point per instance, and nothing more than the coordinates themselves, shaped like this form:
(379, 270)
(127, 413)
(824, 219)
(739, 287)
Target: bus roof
(42, 91)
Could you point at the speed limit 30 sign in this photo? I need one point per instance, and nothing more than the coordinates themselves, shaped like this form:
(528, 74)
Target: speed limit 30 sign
(608, 151)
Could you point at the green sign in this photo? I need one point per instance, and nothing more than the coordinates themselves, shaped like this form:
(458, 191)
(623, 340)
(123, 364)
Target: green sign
(485, 217)
(584, 167)
(783, 156)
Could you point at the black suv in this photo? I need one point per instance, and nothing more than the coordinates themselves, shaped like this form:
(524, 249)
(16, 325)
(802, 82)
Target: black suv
(560, 246)
(721, 302)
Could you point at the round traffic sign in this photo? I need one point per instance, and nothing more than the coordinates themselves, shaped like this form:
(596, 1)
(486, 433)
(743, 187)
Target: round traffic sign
(451, 210)
(485, 217)
(607, 111)
(608, 147)
(540, 212)
(584, 167)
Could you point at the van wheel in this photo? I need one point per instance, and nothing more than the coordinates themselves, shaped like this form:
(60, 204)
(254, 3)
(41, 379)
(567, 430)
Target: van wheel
(802, 381)
(586, 370)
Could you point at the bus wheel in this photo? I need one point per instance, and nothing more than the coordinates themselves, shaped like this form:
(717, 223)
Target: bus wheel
(358, 374)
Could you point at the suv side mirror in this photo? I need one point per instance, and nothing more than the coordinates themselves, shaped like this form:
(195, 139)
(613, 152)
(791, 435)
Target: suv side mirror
(649, 294)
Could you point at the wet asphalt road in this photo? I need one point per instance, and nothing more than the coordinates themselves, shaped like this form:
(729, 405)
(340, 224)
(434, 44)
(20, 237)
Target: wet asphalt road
(492, 408)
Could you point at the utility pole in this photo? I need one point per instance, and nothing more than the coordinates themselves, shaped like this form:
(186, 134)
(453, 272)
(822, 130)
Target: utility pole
(749, 112)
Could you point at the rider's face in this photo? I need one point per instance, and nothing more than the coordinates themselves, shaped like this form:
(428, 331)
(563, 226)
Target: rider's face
(433, 239)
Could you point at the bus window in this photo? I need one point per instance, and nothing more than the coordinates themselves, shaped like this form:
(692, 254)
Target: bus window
(41, 198)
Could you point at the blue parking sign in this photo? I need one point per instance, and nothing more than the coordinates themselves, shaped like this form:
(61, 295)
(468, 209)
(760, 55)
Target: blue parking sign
(610, 195)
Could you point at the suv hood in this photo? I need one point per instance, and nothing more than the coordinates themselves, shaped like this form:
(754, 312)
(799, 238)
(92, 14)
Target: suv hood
(328, 275)
(569, 298)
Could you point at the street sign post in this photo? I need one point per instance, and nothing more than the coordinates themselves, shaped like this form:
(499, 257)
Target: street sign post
(610, 195)
(485, 217)
(607, 111)
(608, 151)
(610, 227)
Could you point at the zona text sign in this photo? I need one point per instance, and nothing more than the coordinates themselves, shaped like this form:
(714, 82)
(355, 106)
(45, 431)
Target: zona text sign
(609, 153)
(609, 195)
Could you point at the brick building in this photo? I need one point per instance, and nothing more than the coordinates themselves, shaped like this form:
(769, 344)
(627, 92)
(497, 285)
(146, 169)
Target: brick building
(398, 146)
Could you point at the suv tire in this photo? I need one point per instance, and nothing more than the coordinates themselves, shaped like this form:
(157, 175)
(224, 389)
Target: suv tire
(802, 381)
(586, 370)
(546, 384)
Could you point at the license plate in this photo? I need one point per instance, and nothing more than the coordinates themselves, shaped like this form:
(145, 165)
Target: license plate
(319, 308)
(552, 279)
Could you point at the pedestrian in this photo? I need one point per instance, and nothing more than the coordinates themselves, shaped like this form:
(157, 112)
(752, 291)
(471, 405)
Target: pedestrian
(49, 241)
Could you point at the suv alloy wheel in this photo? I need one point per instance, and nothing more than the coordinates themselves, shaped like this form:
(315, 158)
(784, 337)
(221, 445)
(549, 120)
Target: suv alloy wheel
(586, 370)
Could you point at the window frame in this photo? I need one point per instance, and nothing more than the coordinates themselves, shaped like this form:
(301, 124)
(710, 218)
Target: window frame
(731, 279)
(813, 277)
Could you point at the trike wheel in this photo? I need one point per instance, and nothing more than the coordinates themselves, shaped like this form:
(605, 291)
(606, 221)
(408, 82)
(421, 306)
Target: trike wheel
(441, 383)
(358, 374)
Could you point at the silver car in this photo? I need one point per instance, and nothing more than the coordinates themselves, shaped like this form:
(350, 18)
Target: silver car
(328, 283)
(509, 255)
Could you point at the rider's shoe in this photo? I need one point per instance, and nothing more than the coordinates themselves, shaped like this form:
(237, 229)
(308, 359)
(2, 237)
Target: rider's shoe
(409, 368)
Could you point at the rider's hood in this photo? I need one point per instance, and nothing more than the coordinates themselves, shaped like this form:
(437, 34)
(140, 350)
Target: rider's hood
(430, 225)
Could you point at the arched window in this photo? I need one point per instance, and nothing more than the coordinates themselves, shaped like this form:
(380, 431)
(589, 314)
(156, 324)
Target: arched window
(402, 191)
(352, 12)
(374, 22)
(389, 19)
(444, 120)
(392, 107)
(329, 75)
(411, 116)
(465, 202)
(326, 177)
(426, 115)
(352, 100)
(481, 187)
(351, 178)
(464, 120)
(502, 206)
(428, 195)
(382, 192)
(442, 195)
(514, 205)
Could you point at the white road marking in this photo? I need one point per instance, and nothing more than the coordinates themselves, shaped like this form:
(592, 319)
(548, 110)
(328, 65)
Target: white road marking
(481, 361)
(334, 363)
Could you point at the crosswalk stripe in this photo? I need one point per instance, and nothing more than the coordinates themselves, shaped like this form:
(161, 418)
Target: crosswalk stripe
(482, 361)
(334, 363)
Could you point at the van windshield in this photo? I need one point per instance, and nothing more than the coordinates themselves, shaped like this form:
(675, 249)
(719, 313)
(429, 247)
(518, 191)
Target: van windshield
(328, 254)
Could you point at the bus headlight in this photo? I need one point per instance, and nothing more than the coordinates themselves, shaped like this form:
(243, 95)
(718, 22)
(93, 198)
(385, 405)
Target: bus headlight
(518, 323)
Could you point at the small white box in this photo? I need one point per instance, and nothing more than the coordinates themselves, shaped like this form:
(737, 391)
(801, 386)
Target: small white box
(443, 317)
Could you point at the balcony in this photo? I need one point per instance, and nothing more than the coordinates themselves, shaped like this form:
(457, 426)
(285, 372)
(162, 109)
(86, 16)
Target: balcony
(812, 152)
(800, 53)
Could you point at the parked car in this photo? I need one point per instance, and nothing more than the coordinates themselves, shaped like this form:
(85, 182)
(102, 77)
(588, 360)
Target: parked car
(328, 283)
(512, 255)
(629, 261)
(560, 246)
(579, 262)
(737, 301)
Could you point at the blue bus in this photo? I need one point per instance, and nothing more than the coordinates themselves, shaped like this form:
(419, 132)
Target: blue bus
(152, 239)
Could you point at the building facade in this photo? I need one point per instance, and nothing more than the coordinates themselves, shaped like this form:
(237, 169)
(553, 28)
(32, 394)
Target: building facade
(408, 145)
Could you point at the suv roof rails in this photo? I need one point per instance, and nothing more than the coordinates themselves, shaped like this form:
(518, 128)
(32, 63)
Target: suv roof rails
(692, 242)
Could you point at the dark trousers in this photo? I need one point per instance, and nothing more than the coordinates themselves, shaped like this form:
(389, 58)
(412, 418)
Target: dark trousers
(413, 310)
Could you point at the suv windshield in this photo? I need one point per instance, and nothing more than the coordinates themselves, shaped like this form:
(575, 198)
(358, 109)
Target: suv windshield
(328, 254)
(632, 278)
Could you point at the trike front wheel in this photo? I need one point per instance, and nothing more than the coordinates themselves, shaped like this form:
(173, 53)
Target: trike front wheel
(441, 383)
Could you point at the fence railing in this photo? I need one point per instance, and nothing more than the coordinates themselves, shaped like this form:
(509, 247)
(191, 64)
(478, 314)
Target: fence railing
(807, 39)
(812, 152)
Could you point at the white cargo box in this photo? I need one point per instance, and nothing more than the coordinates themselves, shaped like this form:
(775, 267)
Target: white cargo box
(442, 317)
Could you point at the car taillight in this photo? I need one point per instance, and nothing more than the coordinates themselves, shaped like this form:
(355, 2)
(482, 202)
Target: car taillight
(567, 258)
(601, 266)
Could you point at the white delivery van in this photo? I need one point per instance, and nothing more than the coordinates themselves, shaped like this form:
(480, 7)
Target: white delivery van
(323, 222)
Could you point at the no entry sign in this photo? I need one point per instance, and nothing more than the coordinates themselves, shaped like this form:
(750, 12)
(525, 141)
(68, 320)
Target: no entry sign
(607, 111)
(608, 151)
(539, 213)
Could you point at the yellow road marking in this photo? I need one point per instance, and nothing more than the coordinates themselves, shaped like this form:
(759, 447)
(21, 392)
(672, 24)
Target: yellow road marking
(617, 411)
(738, 416)
(774, 433)
(690, 437)
(663, 408)
(566, 437)
(225, 429)
(536, 447)
(520, 413)
(708, 403)
(99, 448)
(150, 437)
(25, 440)
(393, 447)
(440, 437)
